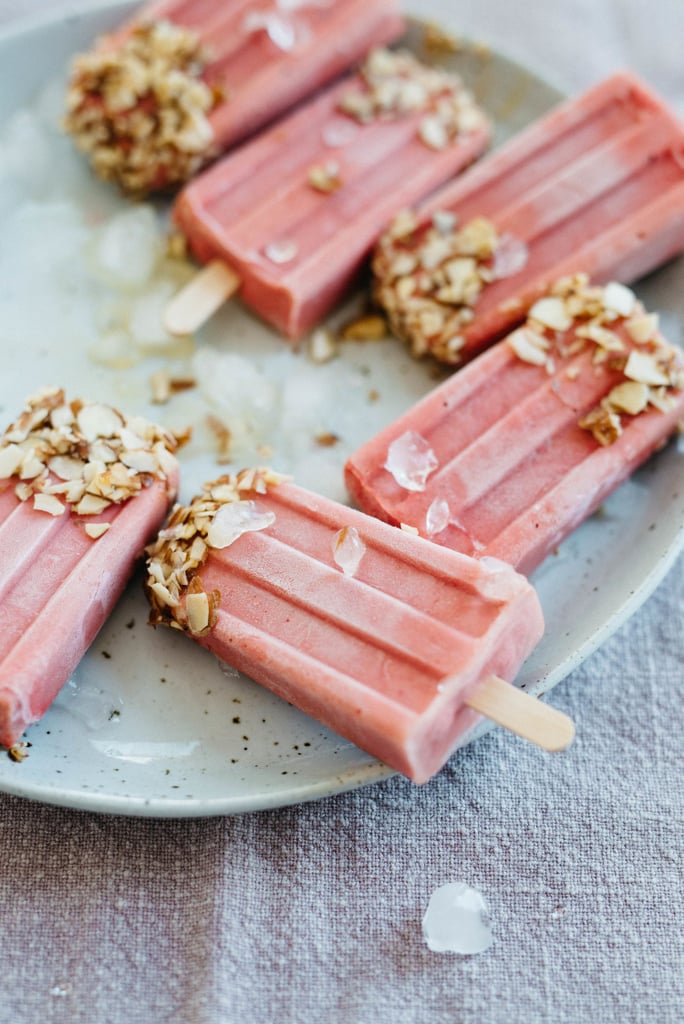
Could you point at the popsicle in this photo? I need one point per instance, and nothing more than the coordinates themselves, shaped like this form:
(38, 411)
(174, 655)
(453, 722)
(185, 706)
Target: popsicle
(516, 449)
(82, 489)
(294, 213)
(595, 186)
(381, 635)
(186, 79)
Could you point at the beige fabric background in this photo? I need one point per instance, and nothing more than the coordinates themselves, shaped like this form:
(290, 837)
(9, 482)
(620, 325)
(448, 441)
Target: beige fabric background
(312, 913)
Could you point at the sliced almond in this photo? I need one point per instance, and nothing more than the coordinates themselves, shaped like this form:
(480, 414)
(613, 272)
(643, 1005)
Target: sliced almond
(642, 328)
(98, 420)
(90, 505)
(529, 346)
(96, 530)
(618, 298)
(551, 312)
(322, 346)
(644, 368)
(197, 609)
(11, 458)
(49, 503)
(631, 397)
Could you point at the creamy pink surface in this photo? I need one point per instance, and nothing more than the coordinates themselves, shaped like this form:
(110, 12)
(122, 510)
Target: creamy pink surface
(261, 80)
(260, 196)
(597, 186)
(516, 470)
(385, 657)
(57, 587)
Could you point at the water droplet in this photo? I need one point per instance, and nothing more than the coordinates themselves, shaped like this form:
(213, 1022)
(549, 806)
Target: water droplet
(348, 549)
(457, 920)
(234, 519)
(510, 256)
(339, 132)
(410, 460)
(281, 252)
(437, 517)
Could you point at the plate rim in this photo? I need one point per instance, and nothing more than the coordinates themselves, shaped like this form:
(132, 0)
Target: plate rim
(356, 777)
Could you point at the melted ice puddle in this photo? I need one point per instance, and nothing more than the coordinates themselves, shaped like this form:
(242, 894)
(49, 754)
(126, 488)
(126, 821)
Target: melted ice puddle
(457, 921)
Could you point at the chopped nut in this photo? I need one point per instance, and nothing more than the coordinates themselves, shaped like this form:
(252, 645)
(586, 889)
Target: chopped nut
(603, 423)
(325, 177)
(139, 110)
(175, 592)
(630, 397)
(529, 345)
(18, 752)
(371, 327)
(407, 528)
(223, 437)
(48, 503)
(322, 345)
(644, 367)
(327, 440)
(79, 454)
(551, 312)
(642, 328)
(197, 608)
(619, 299)
(96, 530)
(395, 83)
(428, 280)
(160, 383)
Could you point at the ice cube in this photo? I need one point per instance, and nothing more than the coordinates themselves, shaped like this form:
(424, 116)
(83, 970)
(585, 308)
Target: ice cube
(410, 460)
(457, 920)
(348, 550)
(127, 248)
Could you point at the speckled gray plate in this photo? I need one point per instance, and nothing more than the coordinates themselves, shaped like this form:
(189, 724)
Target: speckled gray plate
(150, 724)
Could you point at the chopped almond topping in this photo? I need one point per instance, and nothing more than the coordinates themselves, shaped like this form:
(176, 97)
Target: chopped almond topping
(218, 516)
(394, 84)
(82, 455)
(429, 278)
(629, 397)
(603, 424)
(139, 110)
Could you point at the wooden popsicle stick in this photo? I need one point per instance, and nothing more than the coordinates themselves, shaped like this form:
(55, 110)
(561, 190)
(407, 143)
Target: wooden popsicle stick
(200, 298)
(522, 714)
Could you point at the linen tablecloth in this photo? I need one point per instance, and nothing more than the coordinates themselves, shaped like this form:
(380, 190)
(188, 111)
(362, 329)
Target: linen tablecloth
(312, 913)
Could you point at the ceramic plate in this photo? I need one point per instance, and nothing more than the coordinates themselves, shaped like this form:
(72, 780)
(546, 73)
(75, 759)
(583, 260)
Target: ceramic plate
(152, 725)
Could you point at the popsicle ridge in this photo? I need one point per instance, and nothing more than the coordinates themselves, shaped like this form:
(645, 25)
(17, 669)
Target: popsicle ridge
(596, 185)
(82, 489)
(181, 81)
(517, 448)
(295, 212)
(373, 631)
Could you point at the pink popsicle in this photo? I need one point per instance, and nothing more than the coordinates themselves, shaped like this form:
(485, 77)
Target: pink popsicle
(371, 630)
(595, 186)
(63, 571)
(296, 211)
(186, 79)
(515, 450)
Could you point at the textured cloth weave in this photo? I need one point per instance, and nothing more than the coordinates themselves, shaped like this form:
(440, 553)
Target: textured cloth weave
(312, 913)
